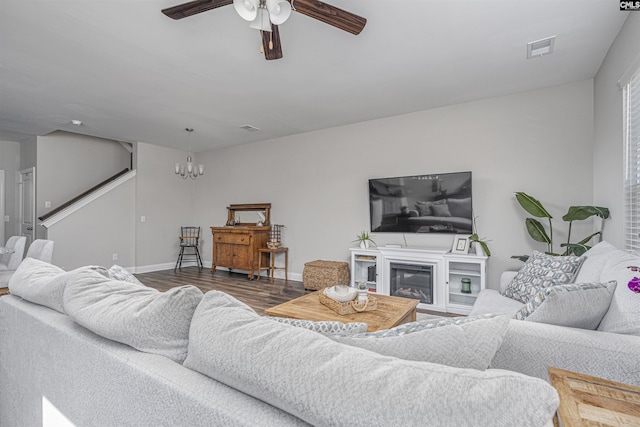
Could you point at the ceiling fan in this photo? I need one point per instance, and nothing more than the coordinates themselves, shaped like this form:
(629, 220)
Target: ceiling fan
(266, 15)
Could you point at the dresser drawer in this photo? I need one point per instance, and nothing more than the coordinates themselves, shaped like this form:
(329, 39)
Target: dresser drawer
(234, 239)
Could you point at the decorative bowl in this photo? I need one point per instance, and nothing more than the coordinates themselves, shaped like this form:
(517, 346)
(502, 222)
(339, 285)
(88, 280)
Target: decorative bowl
(341, 293)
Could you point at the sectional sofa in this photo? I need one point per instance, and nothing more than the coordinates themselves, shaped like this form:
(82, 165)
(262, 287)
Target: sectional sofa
(94, 347)
(589, 324)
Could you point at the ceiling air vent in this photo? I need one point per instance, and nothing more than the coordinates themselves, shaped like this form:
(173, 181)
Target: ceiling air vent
(540, 47)
(250, 128)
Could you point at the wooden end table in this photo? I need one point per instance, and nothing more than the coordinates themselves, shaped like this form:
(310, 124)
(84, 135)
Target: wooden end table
(593, 401)
(272, 262)
(391, 311)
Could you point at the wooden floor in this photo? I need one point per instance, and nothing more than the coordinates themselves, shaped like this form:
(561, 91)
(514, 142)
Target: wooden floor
(258, 295)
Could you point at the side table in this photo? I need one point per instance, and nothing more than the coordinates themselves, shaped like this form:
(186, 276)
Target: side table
(272, 260)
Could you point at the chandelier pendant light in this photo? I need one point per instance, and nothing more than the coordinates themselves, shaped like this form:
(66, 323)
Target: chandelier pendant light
(189, 170)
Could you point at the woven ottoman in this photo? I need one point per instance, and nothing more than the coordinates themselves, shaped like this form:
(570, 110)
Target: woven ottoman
(319, 274)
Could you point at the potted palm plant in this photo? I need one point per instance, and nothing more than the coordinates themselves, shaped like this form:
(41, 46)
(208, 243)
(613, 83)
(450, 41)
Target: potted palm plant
(538, 232)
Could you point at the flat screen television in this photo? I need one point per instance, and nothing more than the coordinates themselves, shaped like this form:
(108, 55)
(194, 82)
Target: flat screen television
(436, 203)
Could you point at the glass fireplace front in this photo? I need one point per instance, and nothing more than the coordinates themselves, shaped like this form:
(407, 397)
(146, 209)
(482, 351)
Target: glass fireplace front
(412, 281)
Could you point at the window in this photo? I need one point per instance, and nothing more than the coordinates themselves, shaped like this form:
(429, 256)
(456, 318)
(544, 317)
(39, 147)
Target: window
(631, 90)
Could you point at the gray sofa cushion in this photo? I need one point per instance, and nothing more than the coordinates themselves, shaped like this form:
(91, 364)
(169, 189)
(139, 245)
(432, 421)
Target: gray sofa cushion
(43, 283)
(576, 305)
(595, 260)
(531, 347)
(142, 317)
(327, 383)
(541, 271)
(490, 301)
(464, 342)
(623, 316)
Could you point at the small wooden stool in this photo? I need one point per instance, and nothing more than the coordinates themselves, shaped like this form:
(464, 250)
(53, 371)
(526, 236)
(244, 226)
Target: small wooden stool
(272, 260)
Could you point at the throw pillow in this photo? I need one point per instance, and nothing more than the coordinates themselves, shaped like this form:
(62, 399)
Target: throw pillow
(623, 316)
(325, 327)
(141, 317)
(424, 208)
(440, 210)
(120, 273)
(326, 383)
(596, 258)
(469, 342)
(460, 207)
(579, 305)
(43, 283)
(541, 271)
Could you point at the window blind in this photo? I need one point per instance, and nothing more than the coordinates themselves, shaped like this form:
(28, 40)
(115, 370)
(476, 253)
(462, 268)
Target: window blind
(632, 153)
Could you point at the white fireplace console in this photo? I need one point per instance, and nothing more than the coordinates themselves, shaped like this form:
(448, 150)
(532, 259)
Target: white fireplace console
(433, 276)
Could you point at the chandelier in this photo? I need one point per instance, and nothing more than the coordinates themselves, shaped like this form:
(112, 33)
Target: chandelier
(189, 170)
(263, 13)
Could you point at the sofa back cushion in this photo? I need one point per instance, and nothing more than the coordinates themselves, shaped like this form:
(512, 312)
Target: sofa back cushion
(327, 383)
(141, 317)
(576, 305)
(623, 316)
(43, 283)
(595, 260)
(541, 271)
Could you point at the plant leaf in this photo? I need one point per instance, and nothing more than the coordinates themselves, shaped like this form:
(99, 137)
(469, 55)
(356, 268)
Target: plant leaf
(485, 247)
(579, 213)
(575, 248)
(536, 231)
(531, 205)
(522, 258)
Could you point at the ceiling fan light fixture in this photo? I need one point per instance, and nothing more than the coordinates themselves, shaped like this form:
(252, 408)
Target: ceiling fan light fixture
(247, 9)
(279, 11)
(262, 21)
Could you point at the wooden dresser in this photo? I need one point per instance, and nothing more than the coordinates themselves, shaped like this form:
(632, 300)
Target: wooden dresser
(235, 245)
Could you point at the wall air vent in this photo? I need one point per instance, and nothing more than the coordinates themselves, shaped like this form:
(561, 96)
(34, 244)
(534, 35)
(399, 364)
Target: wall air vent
(540, 47)
(250, 128)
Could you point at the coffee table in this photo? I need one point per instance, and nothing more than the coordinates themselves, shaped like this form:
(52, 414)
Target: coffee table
(391, 311)
(591, 401)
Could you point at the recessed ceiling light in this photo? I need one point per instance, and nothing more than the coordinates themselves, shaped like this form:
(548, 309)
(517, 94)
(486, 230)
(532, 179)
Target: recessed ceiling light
(540, 47)
(76, 122)
(250, 128)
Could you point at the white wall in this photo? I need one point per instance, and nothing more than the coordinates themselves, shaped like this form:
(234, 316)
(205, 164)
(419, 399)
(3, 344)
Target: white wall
(10, 163)
(166, 201)
(69, 164)
(539, 142)
(608, 158)
(90, 236)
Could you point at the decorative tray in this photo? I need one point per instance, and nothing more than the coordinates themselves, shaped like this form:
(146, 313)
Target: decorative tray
(350, 307)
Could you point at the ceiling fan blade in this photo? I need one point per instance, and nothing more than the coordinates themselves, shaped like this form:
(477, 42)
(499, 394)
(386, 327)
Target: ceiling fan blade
(194, 7)
(271, 43)
(331, 15)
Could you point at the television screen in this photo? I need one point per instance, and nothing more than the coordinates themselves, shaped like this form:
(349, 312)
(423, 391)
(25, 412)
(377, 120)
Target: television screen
(438, 203)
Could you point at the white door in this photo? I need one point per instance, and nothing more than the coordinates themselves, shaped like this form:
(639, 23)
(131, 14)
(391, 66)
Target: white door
(27, 192)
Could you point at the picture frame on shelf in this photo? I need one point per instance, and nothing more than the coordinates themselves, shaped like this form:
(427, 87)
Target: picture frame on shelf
(460, 244)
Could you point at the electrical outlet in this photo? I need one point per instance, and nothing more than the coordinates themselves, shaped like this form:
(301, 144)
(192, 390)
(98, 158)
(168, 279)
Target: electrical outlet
(6, 218)
(47, 204)
(143, 218)
(114, 257)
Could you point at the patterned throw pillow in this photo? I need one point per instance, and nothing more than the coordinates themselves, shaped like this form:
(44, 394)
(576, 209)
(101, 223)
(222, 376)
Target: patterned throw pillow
(541, 271)
(469, 342)
(577, 305)
(324, 327)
